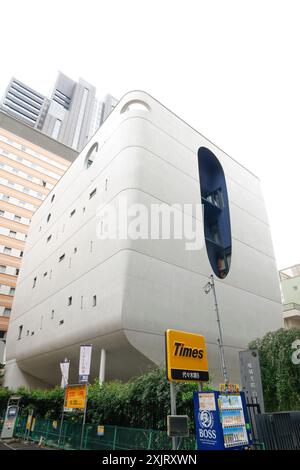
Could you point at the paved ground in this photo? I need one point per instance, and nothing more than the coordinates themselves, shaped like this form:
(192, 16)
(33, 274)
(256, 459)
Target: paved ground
(20, 445)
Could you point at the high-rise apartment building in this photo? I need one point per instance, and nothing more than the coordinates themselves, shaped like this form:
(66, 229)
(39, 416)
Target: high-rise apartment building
(31, 163)
(71, 115)
(24, 103)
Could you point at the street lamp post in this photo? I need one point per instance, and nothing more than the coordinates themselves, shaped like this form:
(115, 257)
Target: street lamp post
(207, 288)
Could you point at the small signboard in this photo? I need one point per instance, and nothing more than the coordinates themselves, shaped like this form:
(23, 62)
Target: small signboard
(100, 430)
(75, 397)
(186, 358)
(29, 420)
(229, 388)
(251, 377)
(64, 368)
(85, 362)
(178, 425)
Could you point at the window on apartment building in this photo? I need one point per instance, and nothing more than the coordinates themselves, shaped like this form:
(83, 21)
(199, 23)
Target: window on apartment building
(44, 183)
(94, 300)
(106, 184)
(75, 250)
(48, 217)
(34, 282)
(17, 272)
(2, 334)
(12, 233)
(5, 197)
(56, 128)
(69, 300)
(1, 213)
(17, 218)
(91, 155)
(15, 170)
(45, 274)
(92, 194)
(7, 312)
(2, 268)
(52, 314)
(7, 250)
(52, 198)
(20, 331)
(12, 291)
(62, 257)
(49, 238)
(21, 254)
(26, 190)
(73, 212)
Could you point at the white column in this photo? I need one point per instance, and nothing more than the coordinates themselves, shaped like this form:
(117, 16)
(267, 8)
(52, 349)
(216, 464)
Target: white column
(102, 366)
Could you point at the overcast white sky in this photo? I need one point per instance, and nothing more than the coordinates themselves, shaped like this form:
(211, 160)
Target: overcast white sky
(231, 69)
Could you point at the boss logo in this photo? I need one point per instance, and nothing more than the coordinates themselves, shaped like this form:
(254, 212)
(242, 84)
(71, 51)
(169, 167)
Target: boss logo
(207, 433)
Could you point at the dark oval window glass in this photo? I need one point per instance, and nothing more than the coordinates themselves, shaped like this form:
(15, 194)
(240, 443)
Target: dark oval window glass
(216, 216)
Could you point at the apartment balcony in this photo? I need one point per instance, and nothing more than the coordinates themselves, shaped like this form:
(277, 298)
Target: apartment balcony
(291, 315)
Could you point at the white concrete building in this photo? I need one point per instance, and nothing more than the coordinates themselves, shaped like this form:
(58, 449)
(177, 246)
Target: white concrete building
(122, 294)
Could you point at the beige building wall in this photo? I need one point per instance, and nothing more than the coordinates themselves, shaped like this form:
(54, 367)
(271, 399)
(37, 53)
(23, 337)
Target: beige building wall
(28, 172)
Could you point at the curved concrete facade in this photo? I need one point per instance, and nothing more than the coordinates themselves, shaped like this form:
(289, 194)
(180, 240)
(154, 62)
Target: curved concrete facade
(142, 287)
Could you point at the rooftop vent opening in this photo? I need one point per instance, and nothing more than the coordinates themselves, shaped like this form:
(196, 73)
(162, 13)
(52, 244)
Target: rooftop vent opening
(91, 155)
(136, 105)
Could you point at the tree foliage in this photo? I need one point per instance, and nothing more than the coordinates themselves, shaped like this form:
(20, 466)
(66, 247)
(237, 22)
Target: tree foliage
(143, 402)
(280, 376)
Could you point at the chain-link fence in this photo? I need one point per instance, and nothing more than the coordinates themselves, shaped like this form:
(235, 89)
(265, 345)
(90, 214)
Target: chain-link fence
(114, 437)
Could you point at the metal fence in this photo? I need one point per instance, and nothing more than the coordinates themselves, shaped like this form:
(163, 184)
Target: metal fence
(279, 431)
(114, 437)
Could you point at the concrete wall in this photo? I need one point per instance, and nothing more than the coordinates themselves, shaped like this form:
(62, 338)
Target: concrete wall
(142, 286)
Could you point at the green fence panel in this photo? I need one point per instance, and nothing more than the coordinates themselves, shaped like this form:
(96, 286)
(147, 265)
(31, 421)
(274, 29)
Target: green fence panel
(114, 438)
(94, 442)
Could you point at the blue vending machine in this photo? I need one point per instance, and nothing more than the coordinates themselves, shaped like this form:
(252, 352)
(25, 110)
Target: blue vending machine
(222, 421)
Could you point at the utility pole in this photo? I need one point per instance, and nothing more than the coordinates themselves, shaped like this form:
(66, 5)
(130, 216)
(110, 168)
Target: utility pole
(207, 288)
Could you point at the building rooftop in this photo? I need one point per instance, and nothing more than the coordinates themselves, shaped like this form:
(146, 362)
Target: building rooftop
(30, 134)
(290, 272)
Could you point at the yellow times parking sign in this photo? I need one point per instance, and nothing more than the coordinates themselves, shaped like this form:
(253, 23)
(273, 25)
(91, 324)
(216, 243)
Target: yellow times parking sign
(186, 357)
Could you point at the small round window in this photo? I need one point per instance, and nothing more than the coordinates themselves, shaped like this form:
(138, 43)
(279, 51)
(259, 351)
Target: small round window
(91, 155)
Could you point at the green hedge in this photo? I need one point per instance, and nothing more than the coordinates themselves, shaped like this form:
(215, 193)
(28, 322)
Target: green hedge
(280, 376)
(143, 402)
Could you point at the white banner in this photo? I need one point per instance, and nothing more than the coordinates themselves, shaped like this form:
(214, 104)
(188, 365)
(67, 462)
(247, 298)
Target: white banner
(85, 362)
(64, 367)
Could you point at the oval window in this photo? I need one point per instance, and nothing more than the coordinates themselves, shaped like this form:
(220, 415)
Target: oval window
(216, 216)
(91, 155)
